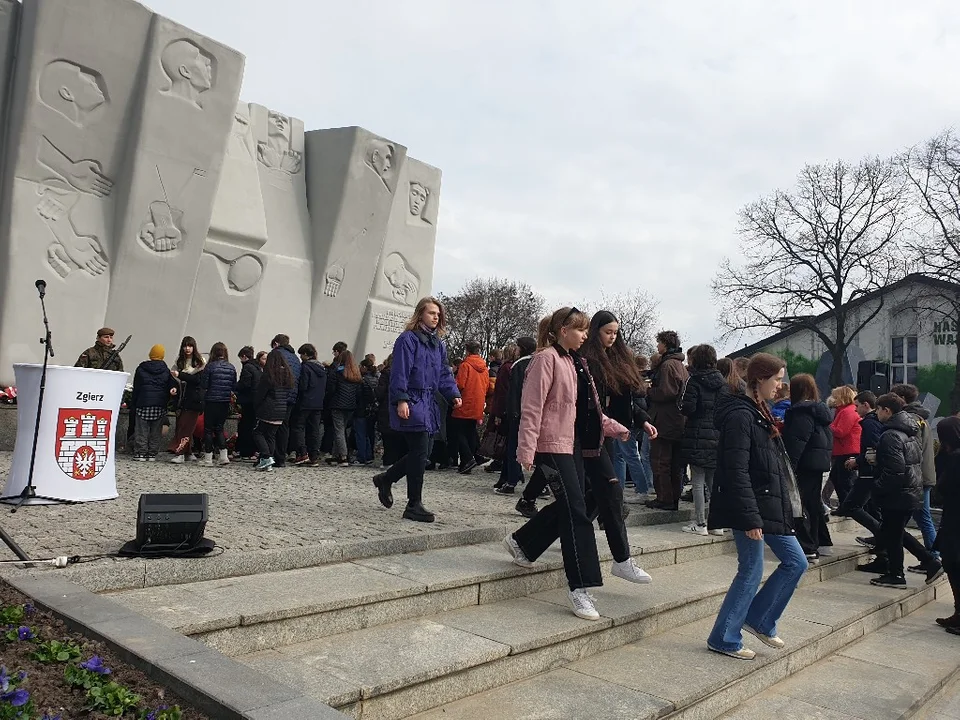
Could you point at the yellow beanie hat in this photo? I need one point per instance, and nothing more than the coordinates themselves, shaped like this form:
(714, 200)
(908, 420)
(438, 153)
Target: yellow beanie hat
(157, 352)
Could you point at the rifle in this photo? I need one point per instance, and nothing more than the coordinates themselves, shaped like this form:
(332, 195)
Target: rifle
(115, 354)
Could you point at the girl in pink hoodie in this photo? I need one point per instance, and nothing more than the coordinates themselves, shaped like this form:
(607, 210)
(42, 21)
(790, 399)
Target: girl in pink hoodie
(554, 409)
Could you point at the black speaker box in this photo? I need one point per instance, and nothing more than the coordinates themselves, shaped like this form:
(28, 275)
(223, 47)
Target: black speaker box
(873, 376)
(171, 522)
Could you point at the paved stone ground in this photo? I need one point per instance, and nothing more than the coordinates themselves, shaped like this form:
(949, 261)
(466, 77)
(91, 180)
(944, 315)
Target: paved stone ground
(250, 511)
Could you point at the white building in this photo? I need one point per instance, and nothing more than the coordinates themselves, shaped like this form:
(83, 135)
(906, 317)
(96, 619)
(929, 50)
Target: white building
(912, 326)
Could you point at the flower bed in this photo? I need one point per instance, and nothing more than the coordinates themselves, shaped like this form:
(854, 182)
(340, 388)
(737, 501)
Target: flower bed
(50, 673)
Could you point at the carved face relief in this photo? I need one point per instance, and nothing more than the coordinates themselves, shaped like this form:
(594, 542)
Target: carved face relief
(418, 198)
(404, 285)
(70, 90)
(379, 158)
(189, 70)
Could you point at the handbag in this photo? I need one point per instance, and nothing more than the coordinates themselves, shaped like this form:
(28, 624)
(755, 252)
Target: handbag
(492, 443)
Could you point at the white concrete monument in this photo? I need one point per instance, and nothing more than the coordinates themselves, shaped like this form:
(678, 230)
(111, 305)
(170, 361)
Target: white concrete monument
(134, 182)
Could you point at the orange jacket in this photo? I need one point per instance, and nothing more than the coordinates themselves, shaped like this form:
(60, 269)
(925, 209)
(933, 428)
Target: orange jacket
(473, 379)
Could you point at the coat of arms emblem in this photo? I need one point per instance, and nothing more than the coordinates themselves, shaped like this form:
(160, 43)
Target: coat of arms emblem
(83, 441)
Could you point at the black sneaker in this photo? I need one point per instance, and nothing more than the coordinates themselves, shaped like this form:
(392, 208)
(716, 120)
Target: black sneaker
(890, 581)
(868, 542)
(527, 508)
(384, 489)
(504, 490)
(545, 493)
(877, 567)
(918, 569)
(953, 630)
(418, 513)
(468, 467)
(933, 572)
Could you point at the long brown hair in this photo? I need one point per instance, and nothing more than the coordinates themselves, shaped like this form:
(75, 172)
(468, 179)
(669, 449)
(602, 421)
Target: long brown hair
(803, 387)
(549, 330)
(417, 318)
(196, 359)
(618, 370)
(351, 372)
(729, 371)
(277, 372)
(763, 366)
(219, 352)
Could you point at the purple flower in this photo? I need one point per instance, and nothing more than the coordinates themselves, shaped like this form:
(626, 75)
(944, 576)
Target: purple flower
(16, 698)
(95, 664)
(22, 675)
(4, 679)
(29, 609)
(152, 715)
(25, 633)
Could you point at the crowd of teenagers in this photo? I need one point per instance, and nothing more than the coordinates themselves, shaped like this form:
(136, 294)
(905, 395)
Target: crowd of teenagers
(577, 418)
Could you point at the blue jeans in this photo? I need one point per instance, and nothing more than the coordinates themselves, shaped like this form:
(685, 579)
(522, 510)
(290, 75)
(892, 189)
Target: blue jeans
(924, 521)
(361, 436)
(628, 455)
(743, 604)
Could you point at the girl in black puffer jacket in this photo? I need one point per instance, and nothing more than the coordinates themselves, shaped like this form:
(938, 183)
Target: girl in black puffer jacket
(700, 433)
(343, 399)
(809, 442)
(218, 381)
(755, 495)
(273, 391)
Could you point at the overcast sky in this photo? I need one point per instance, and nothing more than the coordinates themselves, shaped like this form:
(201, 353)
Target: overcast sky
(607, 144)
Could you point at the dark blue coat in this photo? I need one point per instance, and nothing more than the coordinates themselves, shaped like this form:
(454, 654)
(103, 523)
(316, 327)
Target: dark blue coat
(218, 380)
(271, 401)
(151, 384)
(807, 436)
(293, 362)
(419, 369)
(870, 429)
(313, 385)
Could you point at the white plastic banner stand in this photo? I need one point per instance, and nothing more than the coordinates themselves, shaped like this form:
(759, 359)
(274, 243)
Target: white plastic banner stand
(77, 439)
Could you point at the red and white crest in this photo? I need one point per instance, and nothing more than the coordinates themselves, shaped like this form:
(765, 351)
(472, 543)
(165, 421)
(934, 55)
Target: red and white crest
(83, 441)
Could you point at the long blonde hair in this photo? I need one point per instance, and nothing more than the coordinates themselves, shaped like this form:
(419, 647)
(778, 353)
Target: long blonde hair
(417, 318)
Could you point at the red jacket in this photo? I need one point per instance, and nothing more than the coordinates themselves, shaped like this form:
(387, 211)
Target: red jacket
(846, 431)
(473, 379)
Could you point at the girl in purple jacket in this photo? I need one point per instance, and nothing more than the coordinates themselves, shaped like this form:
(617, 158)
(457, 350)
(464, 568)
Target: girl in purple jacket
(419, 369)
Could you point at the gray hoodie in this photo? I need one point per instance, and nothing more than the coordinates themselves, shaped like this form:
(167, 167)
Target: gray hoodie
(928, 467)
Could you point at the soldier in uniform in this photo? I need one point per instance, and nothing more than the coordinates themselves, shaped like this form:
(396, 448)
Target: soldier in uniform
(95, 357)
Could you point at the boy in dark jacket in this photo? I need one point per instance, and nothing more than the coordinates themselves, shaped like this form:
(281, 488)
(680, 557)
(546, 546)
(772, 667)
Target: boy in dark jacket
(312, 387)
(281, 346)
(250, 372)
(898, 485)
(153, 384)
(857, 504)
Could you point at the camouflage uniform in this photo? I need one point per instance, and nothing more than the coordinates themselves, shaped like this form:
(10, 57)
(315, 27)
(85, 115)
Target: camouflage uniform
(97, 355)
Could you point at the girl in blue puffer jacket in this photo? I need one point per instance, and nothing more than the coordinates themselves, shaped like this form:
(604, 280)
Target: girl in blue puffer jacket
(217, 382)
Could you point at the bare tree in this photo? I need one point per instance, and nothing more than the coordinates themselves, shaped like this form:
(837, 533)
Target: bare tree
(492, 311)
(835, 237)
(637, 312)
(934, 173)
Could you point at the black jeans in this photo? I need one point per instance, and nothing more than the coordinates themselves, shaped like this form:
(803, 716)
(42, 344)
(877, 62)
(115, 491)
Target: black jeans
(511, 473)
(842, 479)
(891, 538)
(248, 421)
(326, 442)
(265, 439)
(467, 440)
(283, 440)
(605, 499)
(214, 418)
(812, 532)
(567, 517)
(394, 446)
(412, 465)
(307, 433)
(298, 428)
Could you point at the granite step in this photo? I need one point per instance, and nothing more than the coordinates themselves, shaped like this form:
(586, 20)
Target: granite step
(671, 674)
(908, 669)
(395, 670)
(257, 612)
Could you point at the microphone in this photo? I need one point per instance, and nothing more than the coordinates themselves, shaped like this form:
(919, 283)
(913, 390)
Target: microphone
(42, 287)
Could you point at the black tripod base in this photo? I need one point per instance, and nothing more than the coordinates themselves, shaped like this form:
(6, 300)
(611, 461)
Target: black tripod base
(11, 543)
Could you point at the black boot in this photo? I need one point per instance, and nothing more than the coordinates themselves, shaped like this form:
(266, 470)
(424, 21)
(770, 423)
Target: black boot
(418, 513)
(384, 489)
(877, 567)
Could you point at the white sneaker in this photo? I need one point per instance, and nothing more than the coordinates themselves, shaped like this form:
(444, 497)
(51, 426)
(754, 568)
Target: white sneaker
(773, 641)
(224, 459)
(630, 571)
(178, 459)
(517, 552)
(583, 604)
(717, 531)
(826, 551)
(207, 460)
(695, 529)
